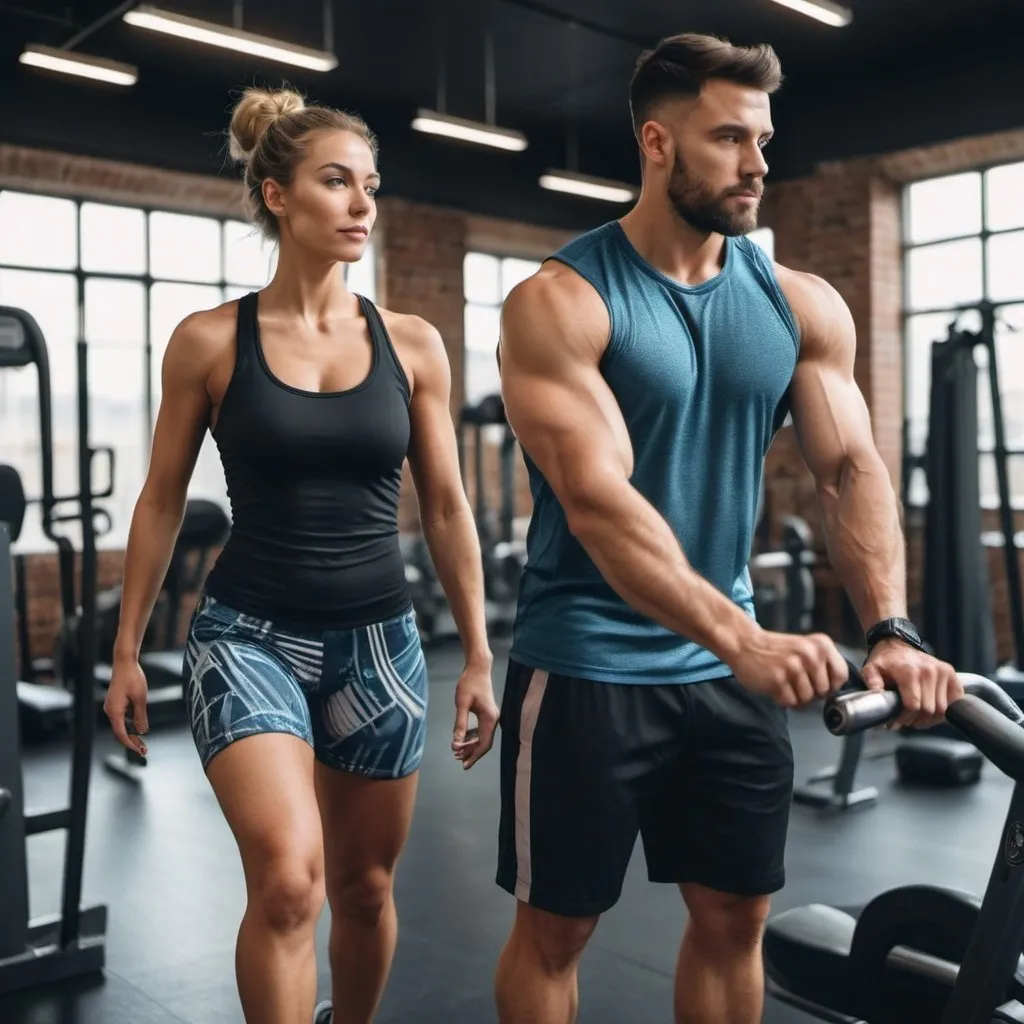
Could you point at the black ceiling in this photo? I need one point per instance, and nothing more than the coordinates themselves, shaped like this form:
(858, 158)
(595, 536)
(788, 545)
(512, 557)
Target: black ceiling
(906, 72)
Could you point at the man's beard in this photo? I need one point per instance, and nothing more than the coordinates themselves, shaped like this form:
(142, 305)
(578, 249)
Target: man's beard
(702, 209)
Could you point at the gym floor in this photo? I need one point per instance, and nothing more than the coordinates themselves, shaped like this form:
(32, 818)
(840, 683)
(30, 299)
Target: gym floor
(162, 859)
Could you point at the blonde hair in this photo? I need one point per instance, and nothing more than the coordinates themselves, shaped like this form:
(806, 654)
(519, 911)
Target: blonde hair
(269, 132)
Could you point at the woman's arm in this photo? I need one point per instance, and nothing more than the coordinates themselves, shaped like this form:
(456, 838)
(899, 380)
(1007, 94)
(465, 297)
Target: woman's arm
(181, 423)
(449, 528)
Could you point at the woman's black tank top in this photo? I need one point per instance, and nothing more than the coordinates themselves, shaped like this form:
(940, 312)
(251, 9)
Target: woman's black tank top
(313, 480)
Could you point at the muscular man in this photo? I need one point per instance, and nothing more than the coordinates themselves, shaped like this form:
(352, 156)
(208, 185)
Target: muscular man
(646, 368)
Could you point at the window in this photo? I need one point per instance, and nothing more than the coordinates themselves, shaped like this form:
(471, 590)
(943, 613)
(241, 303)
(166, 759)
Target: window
(133, 274)
(964, 245)
(487, 280)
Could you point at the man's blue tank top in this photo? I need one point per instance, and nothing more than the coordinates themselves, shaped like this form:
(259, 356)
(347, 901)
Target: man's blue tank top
(701, 375)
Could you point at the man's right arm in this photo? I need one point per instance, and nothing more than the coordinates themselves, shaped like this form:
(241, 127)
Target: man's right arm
(553, 334)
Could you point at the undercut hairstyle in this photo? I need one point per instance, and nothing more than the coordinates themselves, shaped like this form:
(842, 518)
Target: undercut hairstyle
(269, 133)
(680, 65)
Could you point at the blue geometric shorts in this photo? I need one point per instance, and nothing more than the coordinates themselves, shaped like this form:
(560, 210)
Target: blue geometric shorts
(357, 696)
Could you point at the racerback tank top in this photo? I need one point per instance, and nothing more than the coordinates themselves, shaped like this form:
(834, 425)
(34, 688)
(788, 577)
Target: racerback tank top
(313, 479)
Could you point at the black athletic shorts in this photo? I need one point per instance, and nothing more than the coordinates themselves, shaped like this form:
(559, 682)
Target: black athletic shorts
(702, 771)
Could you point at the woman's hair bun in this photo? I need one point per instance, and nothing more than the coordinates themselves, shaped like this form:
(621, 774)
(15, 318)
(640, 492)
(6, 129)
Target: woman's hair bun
(256, 111)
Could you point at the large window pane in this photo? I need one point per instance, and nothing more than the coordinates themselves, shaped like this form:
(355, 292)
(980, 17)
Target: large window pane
(513, 271)
(52, 299)
(115, 313)
(184, 248)
(38, 231)
(113, 239)
(945, 274)
(480, 274)
(1004, 197)
(482, 326)
(169, 304)
(944, 208)
(249, 259)
(988, 481)
(115, 327)
(1005, 267)
(481, 376)
(117, 410)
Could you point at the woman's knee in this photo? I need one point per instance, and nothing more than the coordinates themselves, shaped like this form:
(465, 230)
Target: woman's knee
(362, 895)
(290, 893)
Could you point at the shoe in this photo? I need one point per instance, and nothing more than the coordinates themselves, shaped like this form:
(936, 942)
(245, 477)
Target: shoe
(323, 1014)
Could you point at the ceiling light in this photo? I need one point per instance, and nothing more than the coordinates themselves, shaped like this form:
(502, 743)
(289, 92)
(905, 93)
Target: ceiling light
(433, 123)
(67, 63)
(230, 38)
(584, 185)
(821, 10)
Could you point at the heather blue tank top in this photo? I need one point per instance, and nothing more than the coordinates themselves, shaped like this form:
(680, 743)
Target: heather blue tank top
(701, 375)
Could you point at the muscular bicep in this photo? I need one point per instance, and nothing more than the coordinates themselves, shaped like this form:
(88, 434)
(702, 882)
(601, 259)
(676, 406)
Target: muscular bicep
(558, 403)
(183, 416)
(830, 416)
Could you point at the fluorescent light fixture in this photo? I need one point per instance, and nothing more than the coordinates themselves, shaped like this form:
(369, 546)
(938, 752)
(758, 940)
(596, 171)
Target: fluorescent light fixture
(584, 185)
(432, 123)
(67, 63)
(230, 38)
(821, 10)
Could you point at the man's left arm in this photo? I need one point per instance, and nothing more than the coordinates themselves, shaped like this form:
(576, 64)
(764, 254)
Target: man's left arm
(859, 507)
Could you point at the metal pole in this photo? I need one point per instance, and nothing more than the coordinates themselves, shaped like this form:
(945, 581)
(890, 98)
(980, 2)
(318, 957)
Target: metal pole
(91, 29)
(84, 707)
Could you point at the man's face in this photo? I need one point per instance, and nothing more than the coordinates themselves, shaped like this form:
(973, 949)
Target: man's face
(716, 178)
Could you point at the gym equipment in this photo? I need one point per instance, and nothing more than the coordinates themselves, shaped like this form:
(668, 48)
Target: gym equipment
(503, 557)
(917, 953)
(43, 710)
(428, 597)
(73, 942)
(784, 579)
(204, 527)
(833, 788)
(957, 618)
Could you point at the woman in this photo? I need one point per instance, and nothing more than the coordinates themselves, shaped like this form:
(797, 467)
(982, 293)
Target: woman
(307, 687)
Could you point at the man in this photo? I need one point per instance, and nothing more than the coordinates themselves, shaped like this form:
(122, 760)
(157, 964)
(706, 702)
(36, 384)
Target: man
(645, 369)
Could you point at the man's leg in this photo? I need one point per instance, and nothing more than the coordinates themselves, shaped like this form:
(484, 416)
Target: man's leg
(537, 979)
(567, 830)
(716, 825)
(719, 975)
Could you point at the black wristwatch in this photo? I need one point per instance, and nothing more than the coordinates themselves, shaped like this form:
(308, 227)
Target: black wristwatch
(895, 629)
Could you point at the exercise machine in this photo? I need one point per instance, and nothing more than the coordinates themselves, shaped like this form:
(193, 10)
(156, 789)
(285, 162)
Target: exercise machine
(957, 615)
(504, 557)
(916, 954)
(73, 943)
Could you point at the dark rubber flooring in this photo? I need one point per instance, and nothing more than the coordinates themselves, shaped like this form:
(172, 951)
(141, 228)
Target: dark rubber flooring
(161, 857)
